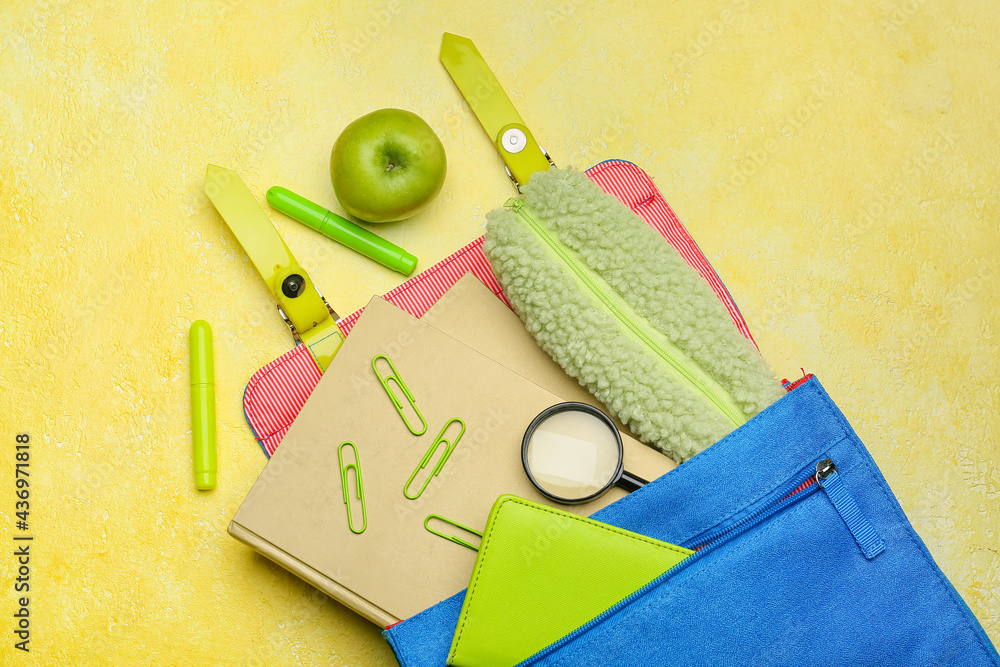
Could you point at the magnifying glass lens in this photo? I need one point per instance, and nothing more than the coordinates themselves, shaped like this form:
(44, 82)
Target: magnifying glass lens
(573, 454)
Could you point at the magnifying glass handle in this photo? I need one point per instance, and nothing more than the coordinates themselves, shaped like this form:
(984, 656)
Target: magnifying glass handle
(630, 482)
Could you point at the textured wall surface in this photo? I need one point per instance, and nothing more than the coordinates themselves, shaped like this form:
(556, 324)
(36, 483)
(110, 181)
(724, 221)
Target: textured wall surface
(838, 165)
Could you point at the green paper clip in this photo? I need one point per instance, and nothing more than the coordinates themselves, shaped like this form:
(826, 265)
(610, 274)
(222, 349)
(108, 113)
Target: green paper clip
(452, 538)
(356, 466)
(406, 392)
(449, 448)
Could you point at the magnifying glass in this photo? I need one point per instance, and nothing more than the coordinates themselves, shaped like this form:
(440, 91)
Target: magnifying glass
(572, 453)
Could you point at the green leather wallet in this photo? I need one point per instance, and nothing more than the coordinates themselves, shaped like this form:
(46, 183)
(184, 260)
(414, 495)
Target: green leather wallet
(543, 572)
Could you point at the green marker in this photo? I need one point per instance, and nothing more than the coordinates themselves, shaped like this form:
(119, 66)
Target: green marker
(203, 404)
(341, 230)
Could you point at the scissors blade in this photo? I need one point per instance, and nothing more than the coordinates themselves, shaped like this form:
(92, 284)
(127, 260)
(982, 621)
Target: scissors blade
(490, 104)
(248, 222)
(310, 316)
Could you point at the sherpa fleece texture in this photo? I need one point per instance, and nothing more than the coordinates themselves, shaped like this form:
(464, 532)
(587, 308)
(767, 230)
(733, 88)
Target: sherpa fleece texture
(656, 282)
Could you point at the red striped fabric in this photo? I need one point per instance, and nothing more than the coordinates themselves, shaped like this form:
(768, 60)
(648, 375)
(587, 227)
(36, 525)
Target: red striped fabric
(278, 391)
(801, 487)
(418, 294)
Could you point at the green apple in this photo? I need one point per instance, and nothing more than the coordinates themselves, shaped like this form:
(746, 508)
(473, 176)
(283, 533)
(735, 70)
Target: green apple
(387, 166)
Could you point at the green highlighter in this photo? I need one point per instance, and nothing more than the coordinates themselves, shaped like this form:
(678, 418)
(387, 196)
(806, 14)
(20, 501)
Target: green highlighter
(340, 229)
(203, 405)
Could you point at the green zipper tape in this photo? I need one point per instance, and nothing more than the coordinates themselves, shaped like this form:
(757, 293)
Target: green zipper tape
(685, 370)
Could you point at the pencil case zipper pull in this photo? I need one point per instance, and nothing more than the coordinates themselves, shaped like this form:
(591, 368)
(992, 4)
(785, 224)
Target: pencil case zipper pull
(828, 478)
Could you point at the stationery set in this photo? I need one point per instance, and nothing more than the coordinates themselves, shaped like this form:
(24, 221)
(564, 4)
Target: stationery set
(425, 452)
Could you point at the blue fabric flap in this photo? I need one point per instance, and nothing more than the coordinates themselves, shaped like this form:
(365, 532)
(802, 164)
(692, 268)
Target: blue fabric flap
(795, 588)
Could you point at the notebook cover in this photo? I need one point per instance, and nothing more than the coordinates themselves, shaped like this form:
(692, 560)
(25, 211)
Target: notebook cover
(295, 512)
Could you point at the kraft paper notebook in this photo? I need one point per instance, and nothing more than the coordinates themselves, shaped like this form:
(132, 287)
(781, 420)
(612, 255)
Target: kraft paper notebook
(295, 512)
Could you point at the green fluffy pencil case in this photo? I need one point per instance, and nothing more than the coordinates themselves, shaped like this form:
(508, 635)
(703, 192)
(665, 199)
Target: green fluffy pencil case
(622, 312)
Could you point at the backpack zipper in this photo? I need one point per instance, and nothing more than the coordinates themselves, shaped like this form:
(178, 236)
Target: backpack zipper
(828, 478)
(824, 476)
(682, 368)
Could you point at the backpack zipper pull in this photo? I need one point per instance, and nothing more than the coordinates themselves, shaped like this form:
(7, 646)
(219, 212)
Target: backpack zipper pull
(828, 479)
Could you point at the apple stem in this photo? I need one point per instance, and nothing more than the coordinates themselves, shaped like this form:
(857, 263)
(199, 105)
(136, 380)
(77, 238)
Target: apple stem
(390, 167)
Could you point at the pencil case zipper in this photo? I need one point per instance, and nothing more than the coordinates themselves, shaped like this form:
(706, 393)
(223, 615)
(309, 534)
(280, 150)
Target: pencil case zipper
(823, 477)
(636, 328)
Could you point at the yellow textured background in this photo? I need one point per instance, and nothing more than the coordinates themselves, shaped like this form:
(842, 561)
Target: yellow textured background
(839, 167)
